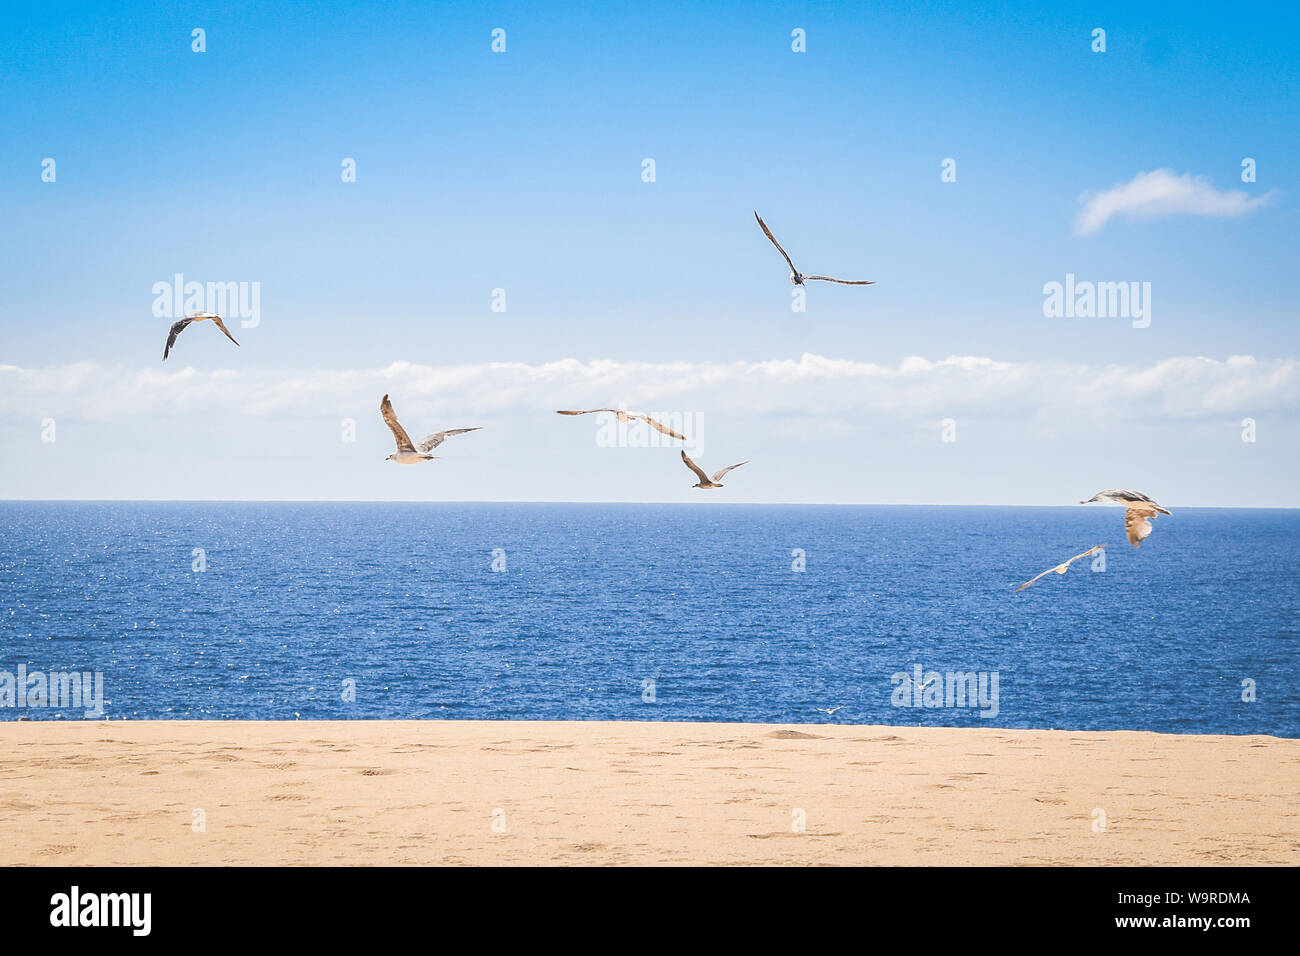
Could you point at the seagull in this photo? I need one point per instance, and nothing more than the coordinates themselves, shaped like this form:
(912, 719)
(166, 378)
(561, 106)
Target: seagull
(408, 454)
(1140, 508)
(796, 276)
(830, 711)
(625, 417)
(705, 481)
(1063, 567)
(179, 327)
(921, 687)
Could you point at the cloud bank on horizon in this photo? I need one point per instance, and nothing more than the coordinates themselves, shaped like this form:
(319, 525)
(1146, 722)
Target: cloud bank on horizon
(1162, 193)
(1180, 387)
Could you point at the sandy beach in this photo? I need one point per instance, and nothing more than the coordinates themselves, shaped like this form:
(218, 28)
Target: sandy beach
(525, 792)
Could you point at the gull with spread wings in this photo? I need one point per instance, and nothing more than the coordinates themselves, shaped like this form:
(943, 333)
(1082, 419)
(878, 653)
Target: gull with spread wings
(408, 453)
(705, 481)
(796, 276)
(625, 416)
(1063, 567)
(179, 327)
(1139, 509)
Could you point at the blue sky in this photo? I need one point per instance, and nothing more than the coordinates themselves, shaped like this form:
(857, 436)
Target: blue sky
(522, 171)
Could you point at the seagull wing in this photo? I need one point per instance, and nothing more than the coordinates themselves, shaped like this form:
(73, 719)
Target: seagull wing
(177, 328)
(561, 411)
(1133, 499)
(1112, 494)
(717, 475)
(768, 232)
(1037, 576)
(842, 281)
(222, 326)
(1063, 566)
(399, 433)
(694, 467)
(1136, 525)
(660, 427)
(429, 442)
(1084, 555)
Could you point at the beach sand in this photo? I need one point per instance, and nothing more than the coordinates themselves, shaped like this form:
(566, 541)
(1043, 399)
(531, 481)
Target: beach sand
(532, 792)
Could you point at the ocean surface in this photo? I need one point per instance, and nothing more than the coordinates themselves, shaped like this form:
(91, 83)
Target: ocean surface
(657, 612)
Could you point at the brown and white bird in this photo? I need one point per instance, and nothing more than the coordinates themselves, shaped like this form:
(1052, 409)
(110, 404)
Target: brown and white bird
(1140, 508)
(796, 276)
(408, 453)
(625, 416)
(179, 326)
(705, 481)
(1062, 567)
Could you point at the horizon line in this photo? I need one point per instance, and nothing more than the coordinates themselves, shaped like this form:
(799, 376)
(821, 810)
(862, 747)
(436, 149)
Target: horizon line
(559, 501)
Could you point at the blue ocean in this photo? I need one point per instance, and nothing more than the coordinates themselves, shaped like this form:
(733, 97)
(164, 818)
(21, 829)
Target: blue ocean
(709, 612)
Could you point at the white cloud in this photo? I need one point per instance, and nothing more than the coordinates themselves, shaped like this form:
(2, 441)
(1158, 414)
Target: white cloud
(1162, 193)
(818, 429)
(811, 386)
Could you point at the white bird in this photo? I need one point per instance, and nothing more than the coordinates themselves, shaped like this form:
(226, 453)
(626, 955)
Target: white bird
(408, 453)
(921, 687)
(179, 326)
(1140, 508)
(830, 711)
(625, 416)
(1062, 567)
(796, 276)
(705, 481)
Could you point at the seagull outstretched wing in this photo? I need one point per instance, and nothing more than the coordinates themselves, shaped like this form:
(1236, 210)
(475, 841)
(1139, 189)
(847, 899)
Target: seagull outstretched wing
(216, 319)
(1062, 567)
(768, 232)
(841, 281)
(661, 427)
(430, 442)
(177, 328)
(694, 467)
(717, 475)
(399, 433)
(1136, 524)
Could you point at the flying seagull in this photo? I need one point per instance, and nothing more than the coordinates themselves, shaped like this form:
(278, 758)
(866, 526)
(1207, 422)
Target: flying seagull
(407, 453)
(179, 327)
(1140, 508)
(830, 711)
(921, 687)
(1063, 567)
(796, 276)
(625, 417)
(705, 481)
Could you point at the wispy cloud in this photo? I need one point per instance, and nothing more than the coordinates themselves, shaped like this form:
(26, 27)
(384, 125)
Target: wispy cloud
(1161, 193)
(812, 385)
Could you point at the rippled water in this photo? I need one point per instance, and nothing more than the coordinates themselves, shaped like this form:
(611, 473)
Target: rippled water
(596, 601)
